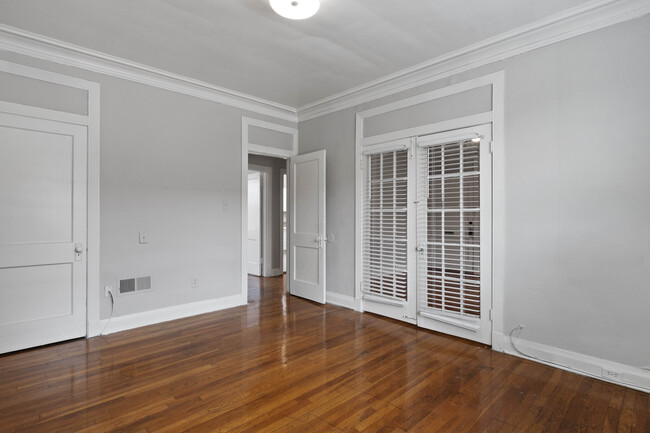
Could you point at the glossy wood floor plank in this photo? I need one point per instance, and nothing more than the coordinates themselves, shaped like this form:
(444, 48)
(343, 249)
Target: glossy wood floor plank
(283, 364)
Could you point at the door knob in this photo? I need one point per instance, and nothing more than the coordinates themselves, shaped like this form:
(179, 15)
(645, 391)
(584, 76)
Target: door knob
(78, 248)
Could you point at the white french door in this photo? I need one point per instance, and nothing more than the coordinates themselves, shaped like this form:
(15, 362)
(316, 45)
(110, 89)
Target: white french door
(388, 279)
(426, 238)
(454, 233)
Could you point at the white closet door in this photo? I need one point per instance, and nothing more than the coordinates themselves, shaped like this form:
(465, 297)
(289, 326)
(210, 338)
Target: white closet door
(388, 278)
(42, 231)
(454, 233)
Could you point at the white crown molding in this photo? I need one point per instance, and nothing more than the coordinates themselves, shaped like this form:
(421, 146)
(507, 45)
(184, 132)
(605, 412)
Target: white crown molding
(45, 48)
(572, 22)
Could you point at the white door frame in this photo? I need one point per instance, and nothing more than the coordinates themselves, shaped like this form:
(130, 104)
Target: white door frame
(254, 267)
(266, 179)
(283, 244)
(257, 149)
(91, 122)
(496, 117)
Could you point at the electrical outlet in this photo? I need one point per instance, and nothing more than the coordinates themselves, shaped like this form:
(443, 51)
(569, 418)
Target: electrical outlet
(195, 282)
(611, 374)
(107, 291)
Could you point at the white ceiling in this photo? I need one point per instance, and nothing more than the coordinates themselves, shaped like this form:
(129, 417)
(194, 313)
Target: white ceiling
(244, 46)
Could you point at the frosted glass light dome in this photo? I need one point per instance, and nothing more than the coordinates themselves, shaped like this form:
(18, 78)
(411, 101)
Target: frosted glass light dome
(295, 9)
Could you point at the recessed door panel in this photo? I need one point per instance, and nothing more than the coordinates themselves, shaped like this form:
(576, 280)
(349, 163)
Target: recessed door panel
(35, 187)
(42, 292)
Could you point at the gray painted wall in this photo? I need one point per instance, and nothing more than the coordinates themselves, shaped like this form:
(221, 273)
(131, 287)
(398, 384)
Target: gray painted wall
(168, 164)
(276, 164)
(577, 191)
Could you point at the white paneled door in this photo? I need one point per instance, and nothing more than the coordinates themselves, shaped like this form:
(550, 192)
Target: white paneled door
(307, 241)
(426, 231)
(254, 223)
(42, 231)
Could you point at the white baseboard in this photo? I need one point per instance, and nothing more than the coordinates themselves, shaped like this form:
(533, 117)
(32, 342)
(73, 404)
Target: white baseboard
(340, 300)
(131, 321)
(586, 365)
(276, 272)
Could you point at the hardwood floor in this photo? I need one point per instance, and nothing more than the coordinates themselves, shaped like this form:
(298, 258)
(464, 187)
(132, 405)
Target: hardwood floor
(283, 364)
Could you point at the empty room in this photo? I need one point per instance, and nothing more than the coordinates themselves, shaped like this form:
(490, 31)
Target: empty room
(324, 216)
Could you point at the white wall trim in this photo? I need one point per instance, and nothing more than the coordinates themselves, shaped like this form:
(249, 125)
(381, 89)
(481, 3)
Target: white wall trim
(340, 300)
(496, 117)
(131, 321)
(91, 121)
(43, 113)
(572, 22)
(586, 365)
(45, 48)
(260, 149)
(268, 151)
(576, 21)
(275, 272)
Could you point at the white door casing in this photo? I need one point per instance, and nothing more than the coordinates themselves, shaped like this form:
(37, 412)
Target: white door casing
(454, 233)
(43, 217)
(254, 223)
(307, 240)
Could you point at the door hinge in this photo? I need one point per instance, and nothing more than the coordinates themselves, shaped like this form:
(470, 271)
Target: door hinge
(412, 147)
(491, 315)
(361, 164)
(491, 146)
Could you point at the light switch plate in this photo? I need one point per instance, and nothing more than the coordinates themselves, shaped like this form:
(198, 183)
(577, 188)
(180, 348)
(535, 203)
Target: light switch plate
(144, 239)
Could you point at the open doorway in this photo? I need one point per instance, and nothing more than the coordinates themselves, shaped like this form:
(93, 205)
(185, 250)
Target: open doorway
(266, 210)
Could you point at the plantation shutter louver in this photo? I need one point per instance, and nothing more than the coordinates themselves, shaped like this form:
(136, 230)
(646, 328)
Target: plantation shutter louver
(449, 227)
(385, 226)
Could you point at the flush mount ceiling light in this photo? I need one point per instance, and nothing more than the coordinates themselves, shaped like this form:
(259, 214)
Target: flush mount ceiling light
(295, 9)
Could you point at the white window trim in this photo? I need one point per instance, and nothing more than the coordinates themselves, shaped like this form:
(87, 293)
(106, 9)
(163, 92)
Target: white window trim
(91, 121)
(496, 118)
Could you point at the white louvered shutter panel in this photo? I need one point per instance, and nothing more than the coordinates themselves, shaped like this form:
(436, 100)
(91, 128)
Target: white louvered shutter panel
(449, 267)
(385, 222)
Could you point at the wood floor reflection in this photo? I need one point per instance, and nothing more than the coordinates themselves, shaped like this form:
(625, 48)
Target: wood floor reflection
(288, 365)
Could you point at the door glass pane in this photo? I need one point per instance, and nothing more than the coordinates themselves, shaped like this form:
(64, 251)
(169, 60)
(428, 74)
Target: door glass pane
(385, 223)
(451, 222)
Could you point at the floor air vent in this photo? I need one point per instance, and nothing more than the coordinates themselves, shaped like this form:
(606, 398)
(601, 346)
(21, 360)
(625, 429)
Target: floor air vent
(133, 285)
